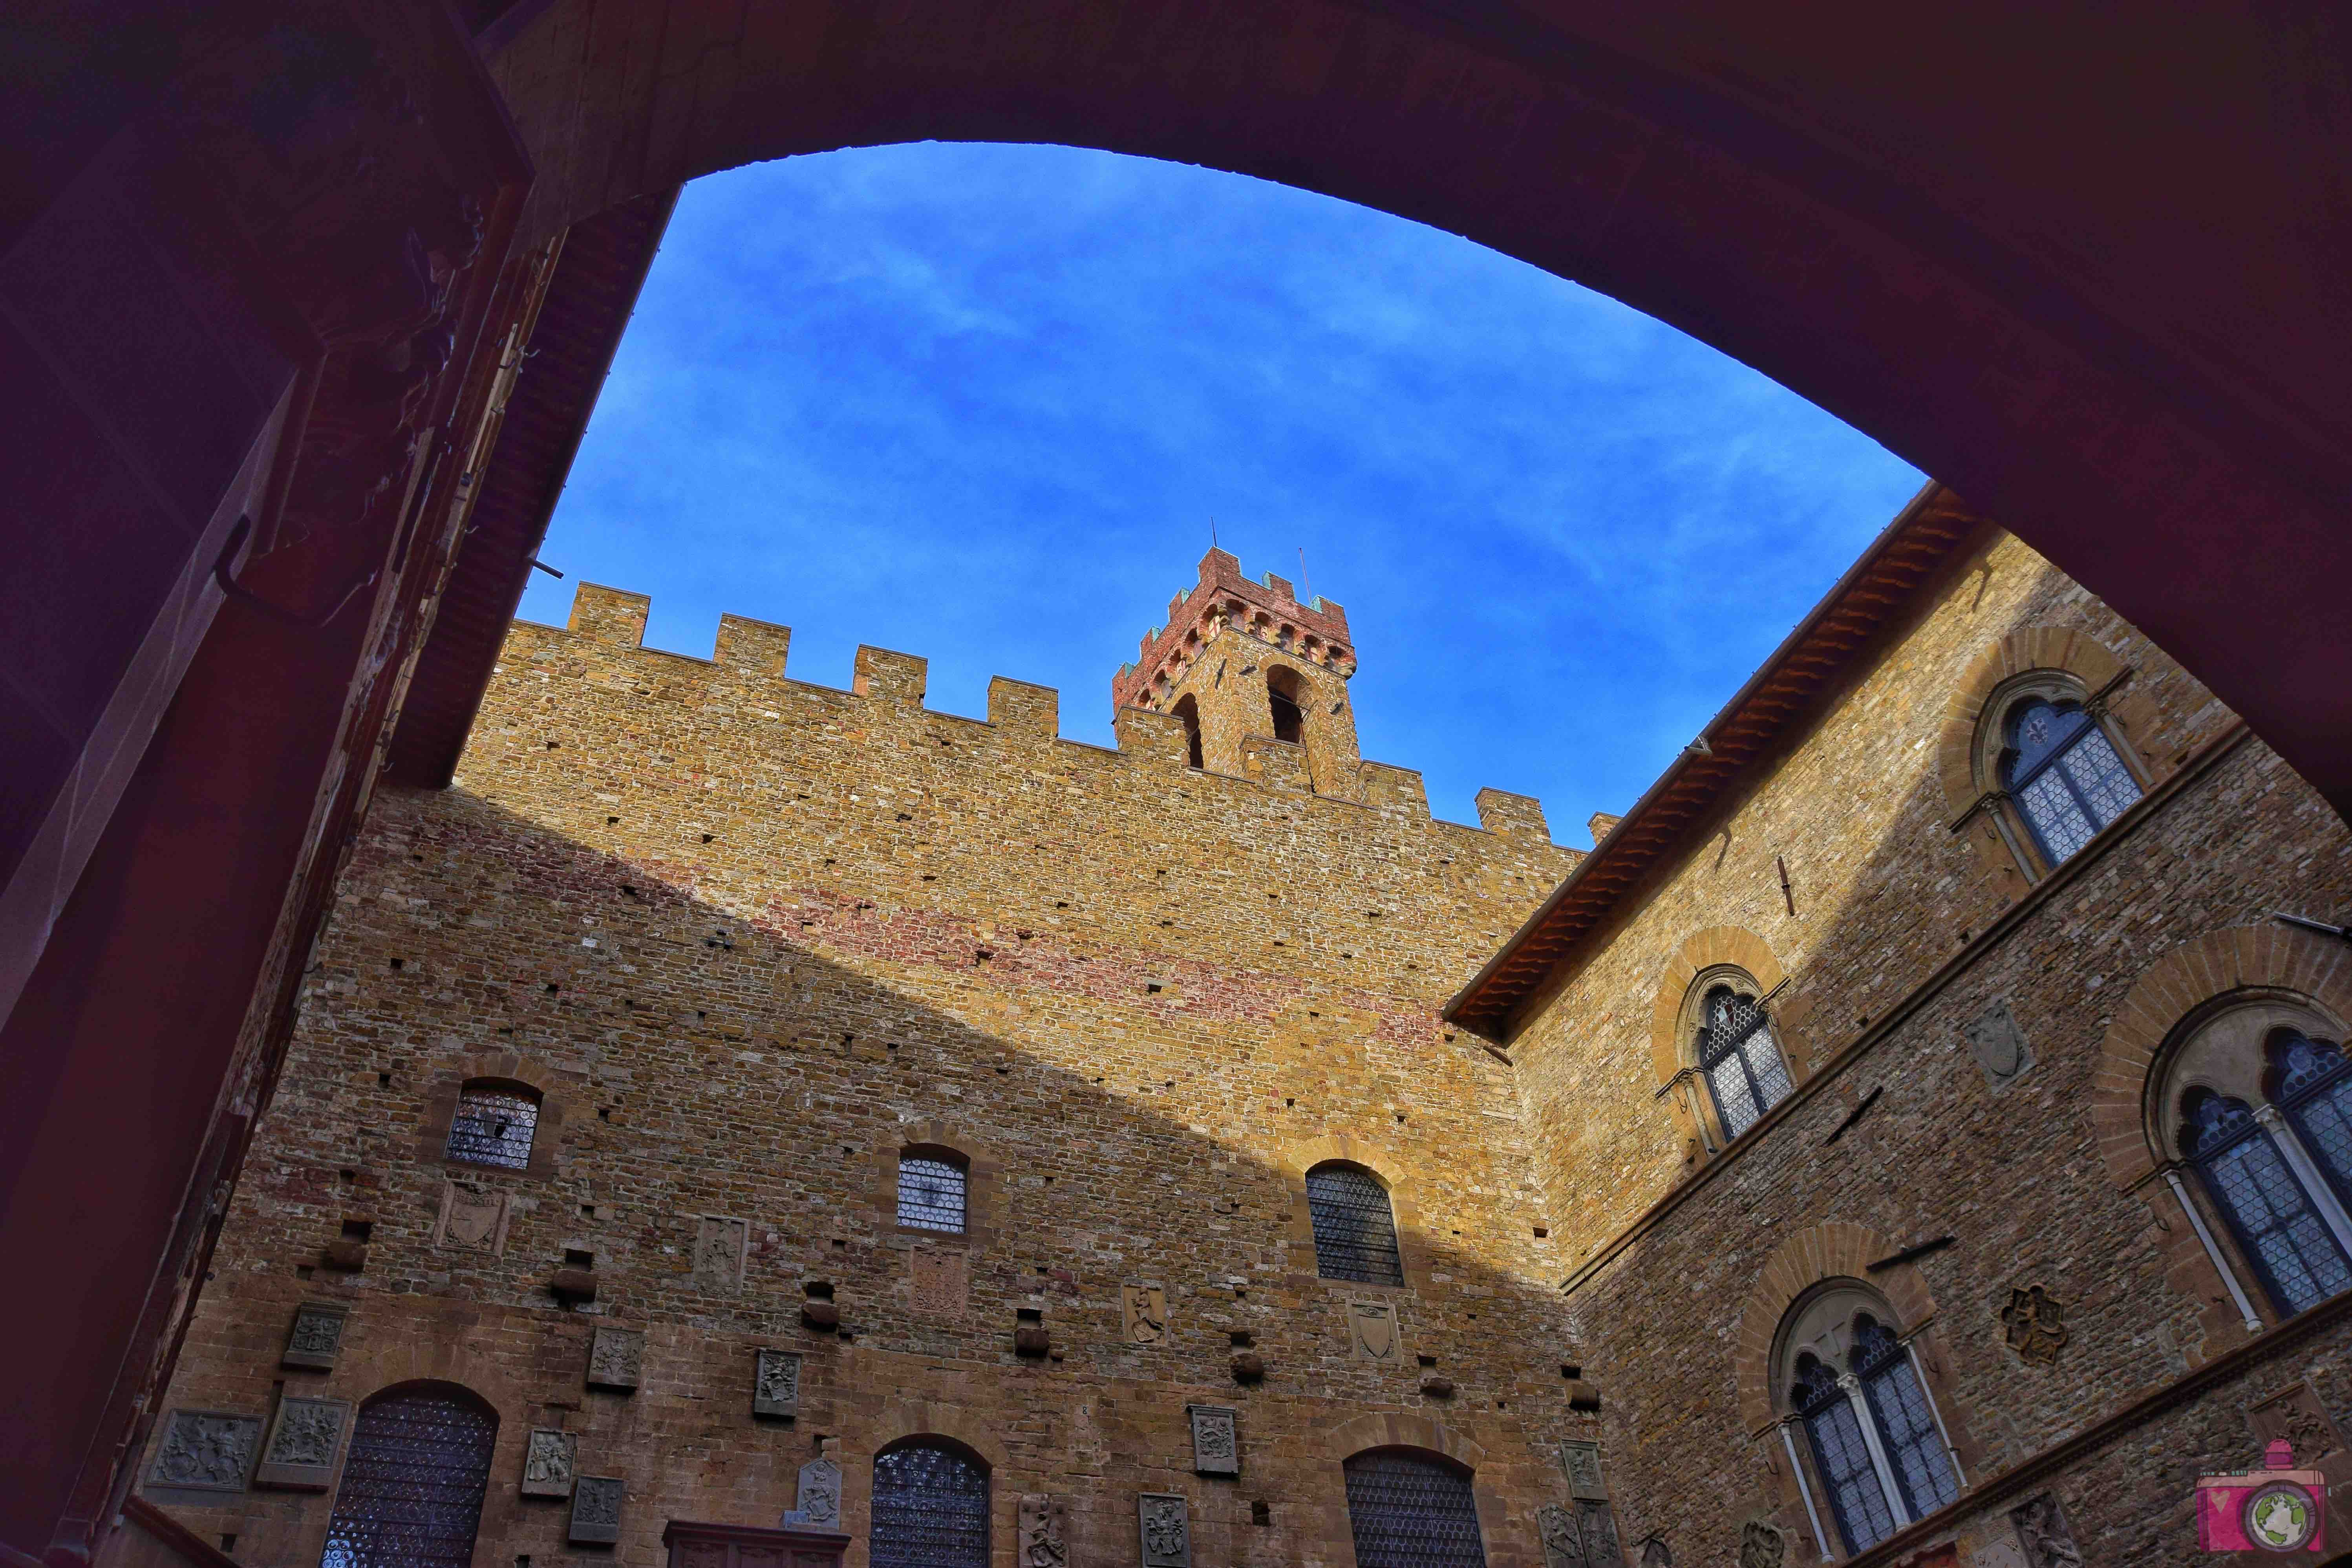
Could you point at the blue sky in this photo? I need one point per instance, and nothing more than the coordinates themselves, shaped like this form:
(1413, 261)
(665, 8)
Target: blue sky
(981, 403)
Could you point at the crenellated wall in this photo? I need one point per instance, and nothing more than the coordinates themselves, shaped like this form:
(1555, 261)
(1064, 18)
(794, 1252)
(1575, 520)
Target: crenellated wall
(750, 937)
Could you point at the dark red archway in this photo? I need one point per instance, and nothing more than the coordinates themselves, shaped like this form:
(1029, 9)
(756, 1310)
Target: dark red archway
(2083, 264)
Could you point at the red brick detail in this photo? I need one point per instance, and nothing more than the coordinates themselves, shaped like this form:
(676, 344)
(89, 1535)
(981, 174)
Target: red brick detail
(1319, 631)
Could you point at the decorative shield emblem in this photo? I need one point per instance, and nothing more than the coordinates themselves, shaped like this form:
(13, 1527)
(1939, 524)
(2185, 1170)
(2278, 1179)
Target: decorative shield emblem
(2036, 1323)
(1374, 1328)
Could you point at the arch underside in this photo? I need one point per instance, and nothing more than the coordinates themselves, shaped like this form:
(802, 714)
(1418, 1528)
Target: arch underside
(2035, 295)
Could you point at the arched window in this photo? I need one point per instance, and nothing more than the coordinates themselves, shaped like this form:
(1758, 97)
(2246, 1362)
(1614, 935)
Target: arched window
(1878, 1449)
(1746, 1075)
(1355, 1230)
(1189, 711)
(931, 1506)
(933, 1188)
(2064, 772)
(2258, 1104)
(1412, 1510)
(1285, 698)
(495, 1123)
(2246, 1174)
(411, 1495)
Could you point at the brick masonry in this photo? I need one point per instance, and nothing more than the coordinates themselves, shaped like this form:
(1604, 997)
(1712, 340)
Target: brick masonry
(750, 938)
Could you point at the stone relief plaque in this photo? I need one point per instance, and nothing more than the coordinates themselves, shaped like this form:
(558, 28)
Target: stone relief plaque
(596, 1509)
(2042, 1534)
(1563, 1540)
(616, 1358)
(1655, 1554)
(720, 1249)
(776, 1383)
(1999, 1044)
(1216, 1439)
(1144, 1313)
(1763, 1545)
(942, 1281)
(317, 1336)
(1601, 1548)
(1044, 1538)
(208, 1450)
(1582, 1460)
(2295, 1415)
(1373, 1330)
(303, 1442)
(819, 1503)
(1998, 1551)
(1166, 1532)
(547, 1462)
(471, 1220)
(2036, 1323)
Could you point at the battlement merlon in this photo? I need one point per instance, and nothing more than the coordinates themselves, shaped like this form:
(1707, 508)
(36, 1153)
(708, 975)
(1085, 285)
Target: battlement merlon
(1268, 610)
(616, 618)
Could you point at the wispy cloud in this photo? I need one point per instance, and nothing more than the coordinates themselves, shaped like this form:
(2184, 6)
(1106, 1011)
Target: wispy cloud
(980, 402)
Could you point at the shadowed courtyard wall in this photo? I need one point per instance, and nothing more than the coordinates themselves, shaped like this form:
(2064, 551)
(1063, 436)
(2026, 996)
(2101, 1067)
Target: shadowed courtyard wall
(750, 938)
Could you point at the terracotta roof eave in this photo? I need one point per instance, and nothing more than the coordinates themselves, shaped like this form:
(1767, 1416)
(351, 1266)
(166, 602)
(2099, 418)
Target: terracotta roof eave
(1861, 603)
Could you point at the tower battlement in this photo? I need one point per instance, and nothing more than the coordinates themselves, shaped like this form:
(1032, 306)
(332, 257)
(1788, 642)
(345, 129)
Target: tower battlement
(1267, 609)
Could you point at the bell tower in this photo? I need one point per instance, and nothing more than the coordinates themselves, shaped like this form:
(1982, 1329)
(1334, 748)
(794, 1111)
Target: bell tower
(1259, 679)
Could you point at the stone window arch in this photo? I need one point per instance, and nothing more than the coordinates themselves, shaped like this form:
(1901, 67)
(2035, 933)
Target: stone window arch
(1354, 1223)
(1412, 1508)
(497, 1111)
(936, 1182)
(930, 1506)
(496, 1123)
(2254, 1100)
(1286, 700)
(2221, 1069)
(1734, 1051)
(2036, 757)
(414, 1479)
(934, 1190)
(1725, 1045)
(1876, 1456)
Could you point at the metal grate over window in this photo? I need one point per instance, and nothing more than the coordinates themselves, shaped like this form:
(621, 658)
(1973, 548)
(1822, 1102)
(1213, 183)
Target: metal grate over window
(1355, 1233)
(1906, 1424)
(494, 1127)
(1743, 1066)
(932, 1193)
(930, 1510)
(2065, 776)
(412, 1488)
(1408, 1511)
(1856, 1500)
(2250, 1182)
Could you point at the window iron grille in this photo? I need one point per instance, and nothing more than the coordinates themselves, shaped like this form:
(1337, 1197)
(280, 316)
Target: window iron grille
(1355, 1231)
(930, 1510)
(2066, 776)
(1741, 1061)
(2267, 1208)
(411, 1495)
(1857, 1502)
(494, 1127)
(1407, 1510)
(1906, 1423)
(932, 1193)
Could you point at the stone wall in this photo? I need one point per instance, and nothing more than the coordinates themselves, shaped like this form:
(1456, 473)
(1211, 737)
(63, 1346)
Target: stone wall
(749, 938)
(1906, 934)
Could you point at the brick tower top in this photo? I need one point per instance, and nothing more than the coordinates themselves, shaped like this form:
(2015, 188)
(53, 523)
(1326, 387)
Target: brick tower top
(1268, 610)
